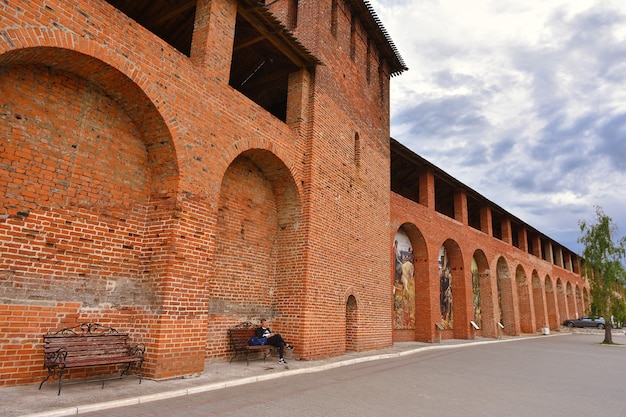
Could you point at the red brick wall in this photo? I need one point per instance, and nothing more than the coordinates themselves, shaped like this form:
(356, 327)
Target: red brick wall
(347, 199)
(71, 147)
(21, 338)
(138, 189)
(508, 267)
(22, 327)
(258, 253)
(131, 217)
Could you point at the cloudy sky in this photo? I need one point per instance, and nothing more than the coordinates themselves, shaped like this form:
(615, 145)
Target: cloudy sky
(523, 101)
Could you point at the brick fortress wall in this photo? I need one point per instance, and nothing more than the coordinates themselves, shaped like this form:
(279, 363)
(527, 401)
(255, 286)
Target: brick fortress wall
(141, 191)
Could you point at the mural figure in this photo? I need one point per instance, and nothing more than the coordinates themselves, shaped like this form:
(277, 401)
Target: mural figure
(476, 292)
(404, 283)
(445, 298)
(500, 312)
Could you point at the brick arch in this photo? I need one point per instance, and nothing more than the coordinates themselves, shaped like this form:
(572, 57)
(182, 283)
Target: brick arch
(561, 299)
(586, 300)
(553, 317)
(91, 205)
(245, 144)
(570, 299)
(484, 300)
(114, 73)
(258, 252)
(410, 293)
(580, 303)
(506, 297)
(135, 101)
(97, 157)
(116, 80)
(526, 319)
(352, 323)
(539, 302)
(460, 288)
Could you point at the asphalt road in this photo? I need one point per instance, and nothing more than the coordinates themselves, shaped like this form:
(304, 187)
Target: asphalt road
(571, 376)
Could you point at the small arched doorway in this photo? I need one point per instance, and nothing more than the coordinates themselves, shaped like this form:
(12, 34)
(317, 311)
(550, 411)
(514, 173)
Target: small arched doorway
(351, 324)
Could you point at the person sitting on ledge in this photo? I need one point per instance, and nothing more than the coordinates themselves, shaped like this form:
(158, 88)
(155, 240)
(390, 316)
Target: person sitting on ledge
(273, 339)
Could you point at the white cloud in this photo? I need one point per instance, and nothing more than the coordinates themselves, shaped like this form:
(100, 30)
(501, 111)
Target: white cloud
(522, 101)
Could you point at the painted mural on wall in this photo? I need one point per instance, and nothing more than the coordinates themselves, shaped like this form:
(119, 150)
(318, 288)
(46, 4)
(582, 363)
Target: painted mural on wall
(403, 283)
(476, 292)
(500, 312)
(445, 298)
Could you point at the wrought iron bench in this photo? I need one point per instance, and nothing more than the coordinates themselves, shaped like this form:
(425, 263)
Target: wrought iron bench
(239, 339)
(89, 344)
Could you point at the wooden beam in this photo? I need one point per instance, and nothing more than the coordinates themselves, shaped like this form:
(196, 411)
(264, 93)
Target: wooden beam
(271, 36)
(249, 43)
(180, 9)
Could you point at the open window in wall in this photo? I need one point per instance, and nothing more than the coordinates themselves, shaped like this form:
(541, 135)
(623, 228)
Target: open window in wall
(353, 35)
(473, 212)
(444, 198)
(405, 178)
(333, 17)
(265, 54)
(575, 263)
(368, 62)
(292, 13)
(515, 238)
(546, 250)
(558, 256)
(533, 248)
(357, 150)
(172, 21)
(496, 224)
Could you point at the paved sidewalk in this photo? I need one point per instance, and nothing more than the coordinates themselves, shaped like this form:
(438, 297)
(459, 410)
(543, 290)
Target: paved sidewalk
(85, 397)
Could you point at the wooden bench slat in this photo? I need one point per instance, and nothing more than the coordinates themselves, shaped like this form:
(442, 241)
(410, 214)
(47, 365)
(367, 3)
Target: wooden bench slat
(86, 361)
(88, 348)
(96, 346)
(85, 339)
(53, 336)
(89, 344)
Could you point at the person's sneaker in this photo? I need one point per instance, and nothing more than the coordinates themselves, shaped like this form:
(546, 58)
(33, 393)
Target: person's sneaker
(282, 362)
(289, 347)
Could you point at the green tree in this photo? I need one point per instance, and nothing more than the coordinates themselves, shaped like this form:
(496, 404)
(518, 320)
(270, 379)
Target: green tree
(603, 266)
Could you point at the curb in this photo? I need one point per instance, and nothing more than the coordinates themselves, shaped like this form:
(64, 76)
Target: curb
(81, 409)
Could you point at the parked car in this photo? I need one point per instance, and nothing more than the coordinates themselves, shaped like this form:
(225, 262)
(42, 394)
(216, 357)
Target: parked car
(585, 321)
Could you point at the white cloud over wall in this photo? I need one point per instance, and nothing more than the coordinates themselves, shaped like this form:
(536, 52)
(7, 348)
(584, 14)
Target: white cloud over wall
(525, 102)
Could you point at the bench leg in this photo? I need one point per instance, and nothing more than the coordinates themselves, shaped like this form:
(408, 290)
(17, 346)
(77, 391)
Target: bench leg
(140, 366)
(60, 379)
(237, 354)
(128, 366)
(125, 370)
(50, 372)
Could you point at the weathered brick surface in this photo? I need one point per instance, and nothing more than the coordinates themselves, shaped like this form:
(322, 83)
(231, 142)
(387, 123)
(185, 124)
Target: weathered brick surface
(139, 190)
